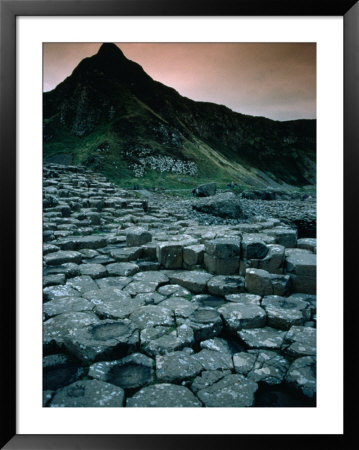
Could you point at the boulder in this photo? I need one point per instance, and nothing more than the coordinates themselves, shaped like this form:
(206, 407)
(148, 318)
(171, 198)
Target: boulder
(205, 190)
(224, 205)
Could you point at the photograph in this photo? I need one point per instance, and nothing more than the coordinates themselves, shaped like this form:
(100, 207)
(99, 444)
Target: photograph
(179, 224)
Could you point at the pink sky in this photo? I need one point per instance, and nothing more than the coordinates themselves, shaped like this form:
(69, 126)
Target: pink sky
(272, 80)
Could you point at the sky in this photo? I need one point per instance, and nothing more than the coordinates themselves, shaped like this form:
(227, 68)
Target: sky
(274, 80)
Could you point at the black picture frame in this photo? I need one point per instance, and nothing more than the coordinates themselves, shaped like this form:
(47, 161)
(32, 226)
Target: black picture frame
(9, 10)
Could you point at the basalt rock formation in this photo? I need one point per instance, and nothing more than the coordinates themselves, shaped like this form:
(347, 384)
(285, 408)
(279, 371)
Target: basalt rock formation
(146, 304)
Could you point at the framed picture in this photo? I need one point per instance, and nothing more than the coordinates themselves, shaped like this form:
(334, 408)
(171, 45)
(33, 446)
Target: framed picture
(29, 33)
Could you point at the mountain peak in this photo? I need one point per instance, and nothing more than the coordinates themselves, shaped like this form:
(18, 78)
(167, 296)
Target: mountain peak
(109, 50)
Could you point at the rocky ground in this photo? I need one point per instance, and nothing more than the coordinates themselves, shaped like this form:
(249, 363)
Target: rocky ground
(153, 301)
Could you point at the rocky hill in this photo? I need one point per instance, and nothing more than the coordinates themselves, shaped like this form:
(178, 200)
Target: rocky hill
(111, 116)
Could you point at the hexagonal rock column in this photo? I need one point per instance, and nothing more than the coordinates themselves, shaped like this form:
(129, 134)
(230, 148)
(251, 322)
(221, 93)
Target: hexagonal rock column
(88, 393)
(266, 338)
(268, 367)
(137, 236)
(193, 256)
(132, 372)
(164, 395)
(221, 256)
(177, 366)
(302, 266)
(225, 285)
(238, 316)
(262, 283)
(194, 281)
(230, 391)
(284, 312)
(170, 255)
(205, 323)
(107, 339)
(302, 375)
(283, 236)
(301, 341)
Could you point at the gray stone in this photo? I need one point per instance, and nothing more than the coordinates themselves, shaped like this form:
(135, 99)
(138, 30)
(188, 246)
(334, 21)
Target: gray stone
(301, 262)
(245, 299)
(230, 391)
(104, 295)
(122, 269)
(77, 243)
(302, 375)
(152, 315)
(205, 190)
(56, 328)
(174, 290)
(163, 395)
(180, 306)
(93, 270)
(137, 237)
(170, 255)
(55, 292)
(266, 338)
(54, 280)
(283, 236)
(224, 205)
(206, 323)
(225, 248)
(126, 254)
(140, 287)
(94, 218)
(253, 248)
(263, 283)
(130, 372)
(88, 393)
(163, 340)
(177, 366)
(283, 312)
(218, 345)
(221, 266)
(194, 281)
(66, 305)
(104, 340)
(193, 255)
(239, 316)
(117, 282)
(301, 341)
(243, 362)
(207, 378)
(269, 367)
(209, 301)
(59, 370)
(60, 257)
(224, 285)
(151, 276)
(213, 360)
(118, 309)
(274, 260)
(307, 244)
(82, 284)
